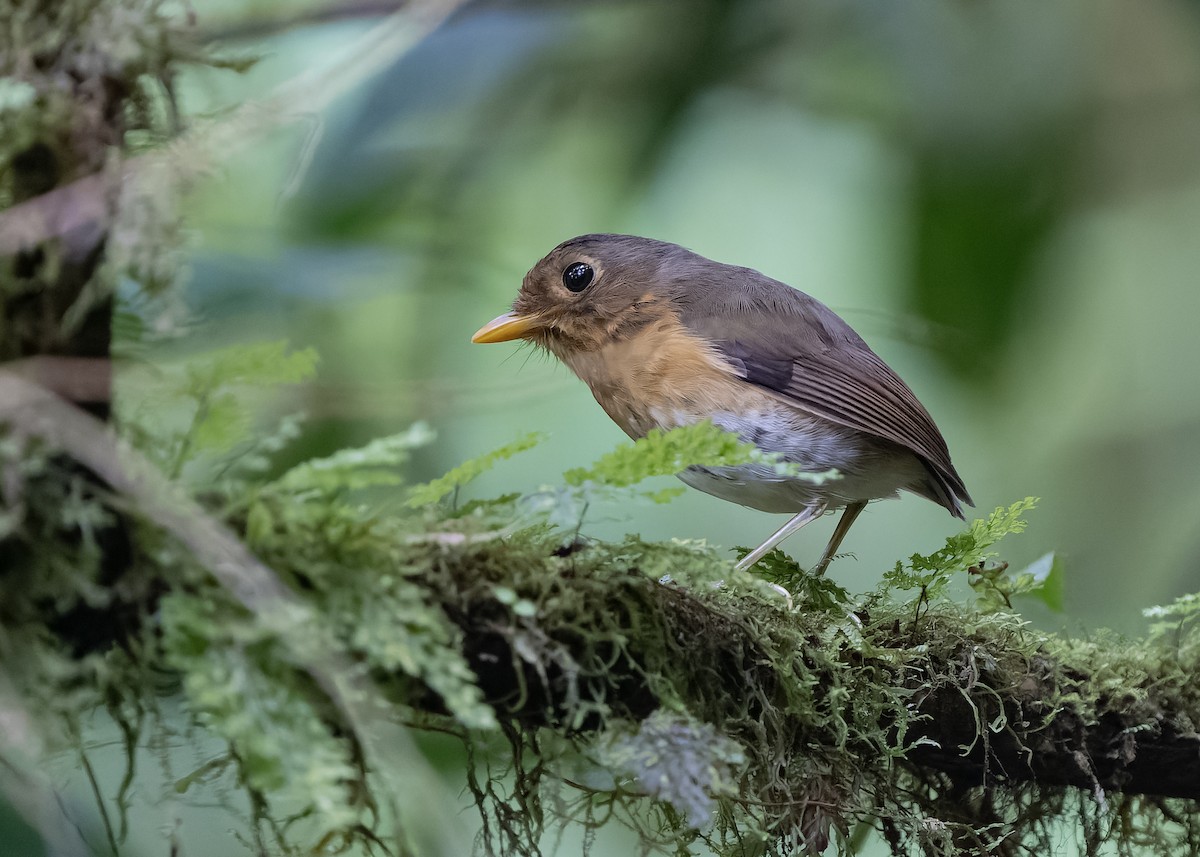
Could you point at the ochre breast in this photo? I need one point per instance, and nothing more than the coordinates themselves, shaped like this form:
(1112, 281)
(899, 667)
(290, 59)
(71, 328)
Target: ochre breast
(661, 377)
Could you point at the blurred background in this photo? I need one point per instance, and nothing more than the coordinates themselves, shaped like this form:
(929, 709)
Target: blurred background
(1002, 198)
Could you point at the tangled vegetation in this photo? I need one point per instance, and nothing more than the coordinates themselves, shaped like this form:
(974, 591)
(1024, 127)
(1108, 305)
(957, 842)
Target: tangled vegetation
(634, 681)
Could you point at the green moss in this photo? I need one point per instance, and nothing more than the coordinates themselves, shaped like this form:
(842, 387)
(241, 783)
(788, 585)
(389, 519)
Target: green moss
(824, 710)
(80, 76)
(632, 680)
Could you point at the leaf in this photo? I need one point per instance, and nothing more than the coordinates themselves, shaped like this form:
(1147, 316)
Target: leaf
(1184, 607)
(203, 410)
(1177, 615)
(967, 549)
(559, 506)
(220, 424)
(1046, 578)
(258, 364)
(391, 624)
(658, 454)
(818, 593)
(997, 586)
(436, 489)
(666, 453)
(239, 679)
(362, 467)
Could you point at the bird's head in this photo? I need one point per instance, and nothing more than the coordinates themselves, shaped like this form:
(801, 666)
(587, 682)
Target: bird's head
(589, 291)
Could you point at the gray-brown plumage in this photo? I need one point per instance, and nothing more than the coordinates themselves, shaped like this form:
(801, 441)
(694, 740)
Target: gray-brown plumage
(665, 337)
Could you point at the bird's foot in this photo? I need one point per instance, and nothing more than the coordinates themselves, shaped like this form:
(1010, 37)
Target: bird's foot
(779, 590)
(787, 596)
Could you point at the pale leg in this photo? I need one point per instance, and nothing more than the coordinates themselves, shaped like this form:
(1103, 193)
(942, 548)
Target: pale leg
(839, 533)
(809, 513)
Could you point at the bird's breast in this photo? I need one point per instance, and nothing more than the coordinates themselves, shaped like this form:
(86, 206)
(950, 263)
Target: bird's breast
(662, 377)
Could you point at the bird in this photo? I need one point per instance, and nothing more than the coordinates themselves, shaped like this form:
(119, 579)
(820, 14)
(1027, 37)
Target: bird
(665, 337)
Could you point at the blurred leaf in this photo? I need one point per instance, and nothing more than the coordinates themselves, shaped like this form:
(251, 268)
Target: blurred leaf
(982, 225)
(363, 467)
(431, 126)
(258, 364)
(1047, 576)
(220, 423)
(1173, 617)
(436, 489)
(178, 417)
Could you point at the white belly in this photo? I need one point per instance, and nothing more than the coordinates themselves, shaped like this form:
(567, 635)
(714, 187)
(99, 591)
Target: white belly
(868, 468)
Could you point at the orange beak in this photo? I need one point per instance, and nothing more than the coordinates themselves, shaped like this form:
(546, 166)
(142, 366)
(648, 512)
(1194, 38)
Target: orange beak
(506, 327)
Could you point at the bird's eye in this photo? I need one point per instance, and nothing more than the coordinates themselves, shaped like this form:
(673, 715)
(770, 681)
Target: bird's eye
(576, 277)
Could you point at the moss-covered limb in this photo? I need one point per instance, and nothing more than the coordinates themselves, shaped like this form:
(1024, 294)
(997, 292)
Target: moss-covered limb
(956, 729)
(273, 651)
(982, 698)
(1090, 717)
(636, 680)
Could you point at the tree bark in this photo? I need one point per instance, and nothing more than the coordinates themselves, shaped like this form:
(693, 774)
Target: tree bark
(1054, 723)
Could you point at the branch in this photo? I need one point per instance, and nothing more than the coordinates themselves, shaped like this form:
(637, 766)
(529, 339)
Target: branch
(1134, 743)
(991, 702)
(780, 724)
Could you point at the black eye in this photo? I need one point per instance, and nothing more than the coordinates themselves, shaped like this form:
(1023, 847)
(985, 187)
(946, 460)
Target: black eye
(576, 277)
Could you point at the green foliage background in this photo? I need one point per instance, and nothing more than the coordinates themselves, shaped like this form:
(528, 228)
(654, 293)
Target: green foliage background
(882, 160)
(1000, 199)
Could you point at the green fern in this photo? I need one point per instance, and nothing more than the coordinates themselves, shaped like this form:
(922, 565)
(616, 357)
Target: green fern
(189, 418)
(239, 680)
(373, 465)
(930, 574)
(820, 593)
(436, 489)
(1182, 614)
(221, 419)
(666, 453)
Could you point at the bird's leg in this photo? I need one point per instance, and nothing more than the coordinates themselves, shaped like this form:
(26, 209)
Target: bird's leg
(808, 513)
(839, 532)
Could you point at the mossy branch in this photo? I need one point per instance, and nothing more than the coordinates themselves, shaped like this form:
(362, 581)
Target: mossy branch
(699, 694)
(970, 721)
(696, 695)
(992, 701)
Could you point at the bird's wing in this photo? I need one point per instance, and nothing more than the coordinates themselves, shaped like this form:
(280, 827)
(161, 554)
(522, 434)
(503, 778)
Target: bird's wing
(805, 354)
